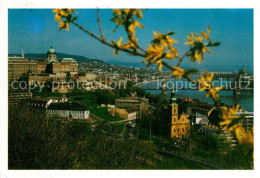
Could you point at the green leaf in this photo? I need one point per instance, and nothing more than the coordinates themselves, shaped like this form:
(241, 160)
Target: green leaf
(74, 18)
(170, 33)
(214, 44)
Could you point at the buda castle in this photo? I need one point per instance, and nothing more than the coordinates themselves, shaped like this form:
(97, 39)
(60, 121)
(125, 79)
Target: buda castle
(19, 65)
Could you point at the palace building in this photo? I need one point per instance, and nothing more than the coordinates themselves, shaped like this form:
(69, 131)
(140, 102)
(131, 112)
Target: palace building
(180, 124)
(17, 66)
(142, 104)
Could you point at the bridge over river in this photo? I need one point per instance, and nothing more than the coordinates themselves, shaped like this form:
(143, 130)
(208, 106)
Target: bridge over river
(229, 87)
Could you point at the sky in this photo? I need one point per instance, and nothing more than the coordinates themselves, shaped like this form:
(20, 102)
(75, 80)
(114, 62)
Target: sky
(35, 31)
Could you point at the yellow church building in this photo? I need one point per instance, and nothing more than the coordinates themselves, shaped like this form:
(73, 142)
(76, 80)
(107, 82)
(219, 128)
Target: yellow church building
(180, 124)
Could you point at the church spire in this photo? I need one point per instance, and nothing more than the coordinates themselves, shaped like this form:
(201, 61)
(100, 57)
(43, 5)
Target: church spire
(22, 54)
(173, 98)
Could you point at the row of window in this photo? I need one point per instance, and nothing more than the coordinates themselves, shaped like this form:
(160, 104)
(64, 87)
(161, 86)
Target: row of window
(183, 129)
(174, 119)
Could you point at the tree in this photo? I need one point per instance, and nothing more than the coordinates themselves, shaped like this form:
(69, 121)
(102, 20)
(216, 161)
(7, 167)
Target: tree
(68, 76)
(50, 143)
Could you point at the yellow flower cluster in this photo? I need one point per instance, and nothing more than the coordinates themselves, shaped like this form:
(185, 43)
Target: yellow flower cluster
(198, 50)
(206, 83)
(63, 13)
(161, 48)
(229, 117)
(128, 18)
(155, 52)
(178, 71)
(214, 93)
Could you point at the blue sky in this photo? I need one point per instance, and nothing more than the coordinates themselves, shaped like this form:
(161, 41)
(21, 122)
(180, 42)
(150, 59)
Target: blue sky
(35, 30)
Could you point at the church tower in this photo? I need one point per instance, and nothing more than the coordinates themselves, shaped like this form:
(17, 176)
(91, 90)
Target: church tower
(173, 103)
(164, 88)
(180, 124)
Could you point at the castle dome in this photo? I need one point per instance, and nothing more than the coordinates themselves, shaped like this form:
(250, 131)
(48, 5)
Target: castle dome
(51, 51)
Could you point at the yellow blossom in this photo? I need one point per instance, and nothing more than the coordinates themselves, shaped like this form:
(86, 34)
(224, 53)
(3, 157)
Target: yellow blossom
(130, 44)
(115, 52)
(174, 51)
(234, 109)
(133, 25)
(118, 11)
(171, 54)
(63, 13)
(190, 40)
(127, 11)
(58, 17)
(199, 39)
(139, 13)
(206, 35)
(214, 93)
(118, 45)
(228, 115)
(209, 76)
(160, 65)
(155, 52)
(64, 25)
(203, 84)
(178, 71)
(206, 50)
(197, 57)
(167, 41)
(157, 35)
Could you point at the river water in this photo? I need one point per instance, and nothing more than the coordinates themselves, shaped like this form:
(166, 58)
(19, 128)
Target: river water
(245, 99)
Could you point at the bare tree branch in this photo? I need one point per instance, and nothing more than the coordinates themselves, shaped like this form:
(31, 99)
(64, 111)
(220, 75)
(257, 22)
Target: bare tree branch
(99, 25)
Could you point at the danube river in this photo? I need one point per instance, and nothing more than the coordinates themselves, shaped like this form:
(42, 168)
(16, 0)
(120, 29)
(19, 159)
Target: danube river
(245, 99)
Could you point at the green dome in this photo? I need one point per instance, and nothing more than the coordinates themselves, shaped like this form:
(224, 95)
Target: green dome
(51, 51)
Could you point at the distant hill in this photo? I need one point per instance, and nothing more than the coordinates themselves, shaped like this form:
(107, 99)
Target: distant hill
(34, 56)
(126, 64)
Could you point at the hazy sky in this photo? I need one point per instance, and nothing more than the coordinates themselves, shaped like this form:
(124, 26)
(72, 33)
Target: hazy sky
(35, 30)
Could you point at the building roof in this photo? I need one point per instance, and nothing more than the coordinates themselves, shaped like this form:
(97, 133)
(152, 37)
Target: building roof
(39, 100)
(17, 58)
(51, 51)
(131, 100)
(72, 106)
